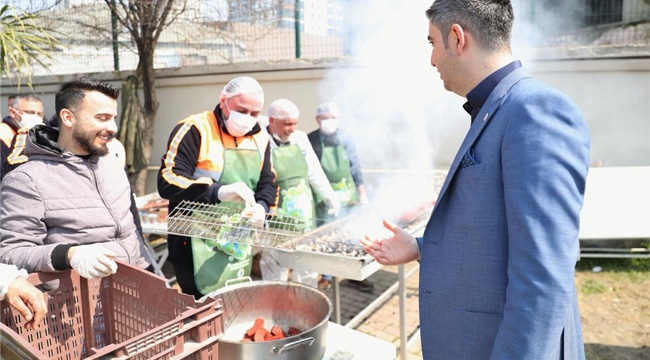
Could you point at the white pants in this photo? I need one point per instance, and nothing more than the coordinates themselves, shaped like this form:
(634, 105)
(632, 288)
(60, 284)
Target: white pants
(271, 270)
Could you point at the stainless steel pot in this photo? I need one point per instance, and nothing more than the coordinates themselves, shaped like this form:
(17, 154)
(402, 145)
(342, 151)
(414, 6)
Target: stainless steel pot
(278, 303)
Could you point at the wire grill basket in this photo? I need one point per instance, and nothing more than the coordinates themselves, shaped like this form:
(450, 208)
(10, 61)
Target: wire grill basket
(228, 222)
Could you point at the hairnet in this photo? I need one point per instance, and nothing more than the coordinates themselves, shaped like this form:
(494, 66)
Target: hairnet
(283, 109)
(328, 108)
(244, 85)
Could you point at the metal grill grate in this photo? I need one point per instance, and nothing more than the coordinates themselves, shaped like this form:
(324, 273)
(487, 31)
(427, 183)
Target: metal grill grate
(342, 236)
(229, 223)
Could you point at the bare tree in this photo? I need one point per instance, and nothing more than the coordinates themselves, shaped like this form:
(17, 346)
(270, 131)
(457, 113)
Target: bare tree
(145, 20)
(195, 33)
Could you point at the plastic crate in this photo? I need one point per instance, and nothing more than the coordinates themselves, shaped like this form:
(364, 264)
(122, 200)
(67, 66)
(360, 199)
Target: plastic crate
(128, 315)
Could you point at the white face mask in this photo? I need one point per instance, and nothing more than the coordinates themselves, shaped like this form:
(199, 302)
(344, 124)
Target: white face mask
(239, 124)
(30, 120)
(329, 126)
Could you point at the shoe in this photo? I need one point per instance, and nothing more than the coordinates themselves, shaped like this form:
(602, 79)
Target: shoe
(363, 286)
(324, 284)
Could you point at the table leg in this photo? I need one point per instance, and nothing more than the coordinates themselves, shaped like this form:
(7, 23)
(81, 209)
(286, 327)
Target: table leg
(402, 312)
(336, 294)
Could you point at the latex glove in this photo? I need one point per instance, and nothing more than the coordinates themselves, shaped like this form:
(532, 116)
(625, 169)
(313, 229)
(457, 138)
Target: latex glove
(363, 199)
(255, 214)
(92, 261)
(334, 206)
(237, 192)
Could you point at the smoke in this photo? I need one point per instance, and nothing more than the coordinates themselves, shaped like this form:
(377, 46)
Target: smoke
(546, 29)
(404, 124)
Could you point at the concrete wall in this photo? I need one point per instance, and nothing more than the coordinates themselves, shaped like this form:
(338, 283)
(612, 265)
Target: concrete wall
(613, 94)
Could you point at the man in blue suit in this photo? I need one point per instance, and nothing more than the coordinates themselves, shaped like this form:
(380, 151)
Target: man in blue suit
(499, 252)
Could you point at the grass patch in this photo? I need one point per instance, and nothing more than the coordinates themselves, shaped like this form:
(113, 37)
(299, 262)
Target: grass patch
(615, 264)
(635, 270)
(591, 286)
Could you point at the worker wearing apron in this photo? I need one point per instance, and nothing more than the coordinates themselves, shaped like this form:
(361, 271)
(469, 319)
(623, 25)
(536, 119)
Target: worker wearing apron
(218, 157)
(299, 176)
(339, 160)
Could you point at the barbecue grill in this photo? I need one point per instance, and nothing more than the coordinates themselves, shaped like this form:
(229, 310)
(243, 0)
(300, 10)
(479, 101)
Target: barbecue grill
(332, 249)
(230, 223)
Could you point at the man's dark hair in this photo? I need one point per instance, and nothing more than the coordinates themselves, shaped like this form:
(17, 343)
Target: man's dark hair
(488, 21)
(72, 92)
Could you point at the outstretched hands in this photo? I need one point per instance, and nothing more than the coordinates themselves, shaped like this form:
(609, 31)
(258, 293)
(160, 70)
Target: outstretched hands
(398, 249)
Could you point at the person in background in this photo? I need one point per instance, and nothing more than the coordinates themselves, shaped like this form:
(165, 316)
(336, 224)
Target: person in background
(498, 255)
(218, 157)
(299, 177)
(67, 205)
(22, 295)
(116, 151)
(338, 157)
(10, 99)
(25, 111)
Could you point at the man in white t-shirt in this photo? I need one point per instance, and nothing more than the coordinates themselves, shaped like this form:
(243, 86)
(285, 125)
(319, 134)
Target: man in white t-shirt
(301, 182)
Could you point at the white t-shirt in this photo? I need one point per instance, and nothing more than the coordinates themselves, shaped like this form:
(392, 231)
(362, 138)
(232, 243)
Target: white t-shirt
(8, 273)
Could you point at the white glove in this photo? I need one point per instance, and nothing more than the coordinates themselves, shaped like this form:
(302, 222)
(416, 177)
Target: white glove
(237, 192)
(363, 199)
(334, 206)
(255, 214)
(93, 261)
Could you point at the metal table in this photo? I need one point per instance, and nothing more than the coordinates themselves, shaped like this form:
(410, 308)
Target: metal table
(342, 266)
(357, 345)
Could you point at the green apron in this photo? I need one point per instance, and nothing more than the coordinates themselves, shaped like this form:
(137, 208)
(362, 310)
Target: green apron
(215, 262)
(336, 165)
(296, 197)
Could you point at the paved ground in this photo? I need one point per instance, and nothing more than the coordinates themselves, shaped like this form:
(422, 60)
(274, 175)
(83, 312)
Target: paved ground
(383, 322)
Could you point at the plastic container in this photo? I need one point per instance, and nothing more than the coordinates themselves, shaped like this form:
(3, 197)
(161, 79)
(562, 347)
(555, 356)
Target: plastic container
(128, 315)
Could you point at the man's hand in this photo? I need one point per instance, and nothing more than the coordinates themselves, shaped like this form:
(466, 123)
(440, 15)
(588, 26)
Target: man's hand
(237, 192)
(400, 248)
(28, 300)
(92, 261)
(363, 199)
(334, 206)
(256, 215)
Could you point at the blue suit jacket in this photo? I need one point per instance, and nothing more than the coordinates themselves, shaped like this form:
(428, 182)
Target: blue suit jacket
(499, 252)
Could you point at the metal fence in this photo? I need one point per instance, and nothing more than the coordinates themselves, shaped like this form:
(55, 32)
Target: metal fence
(592, 23)
(209, 32)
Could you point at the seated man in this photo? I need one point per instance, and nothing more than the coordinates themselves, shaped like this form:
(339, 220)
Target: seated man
(68, 205)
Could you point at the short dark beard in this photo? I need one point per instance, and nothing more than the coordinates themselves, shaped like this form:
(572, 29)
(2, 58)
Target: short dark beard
(85, 141)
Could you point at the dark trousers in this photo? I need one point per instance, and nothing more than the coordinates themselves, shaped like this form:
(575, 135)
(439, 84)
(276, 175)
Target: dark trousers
(180, 254)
